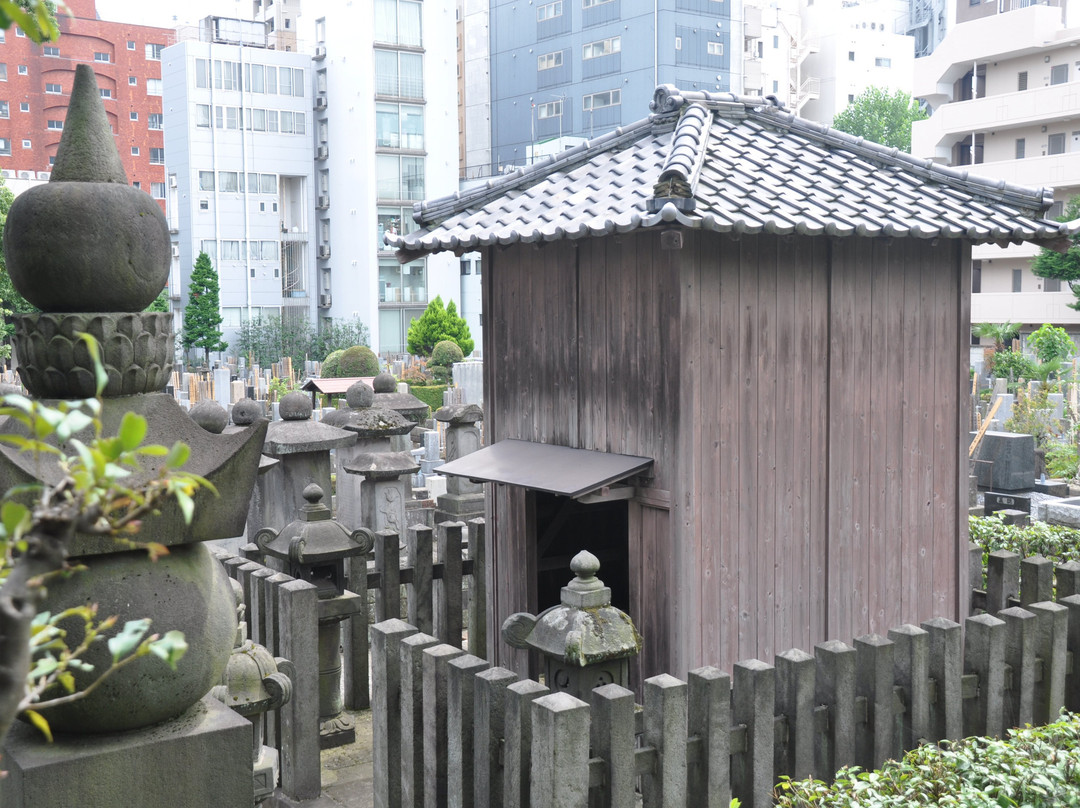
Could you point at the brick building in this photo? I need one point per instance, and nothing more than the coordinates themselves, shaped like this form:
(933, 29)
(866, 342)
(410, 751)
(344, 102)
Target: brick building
(35, 84)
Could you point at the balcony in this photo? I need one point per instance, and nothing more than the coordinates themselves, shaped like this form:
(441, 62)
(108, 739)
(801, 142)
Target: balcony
(1024, 307)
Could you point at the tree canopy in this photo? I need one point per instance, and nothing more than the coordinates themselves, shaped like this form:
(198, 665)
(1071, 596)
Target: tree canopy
(882, 117)
(202, 316)
(437, 324)
(1064, 266)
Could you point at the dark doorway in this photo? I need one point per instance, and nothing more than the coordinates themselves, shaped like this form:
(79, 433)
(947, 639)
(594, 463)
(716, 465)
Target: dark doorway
(564, 527)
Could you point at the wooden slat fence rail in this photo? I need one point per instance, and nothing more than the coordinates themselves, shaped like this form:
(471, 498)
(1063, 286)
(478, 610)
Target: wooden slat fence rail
(449, 729)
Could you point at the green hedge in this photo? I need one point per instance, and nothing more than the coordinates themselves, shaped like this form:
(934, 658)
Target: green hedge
(1056, 542)
(429, 394)
(1037, 767)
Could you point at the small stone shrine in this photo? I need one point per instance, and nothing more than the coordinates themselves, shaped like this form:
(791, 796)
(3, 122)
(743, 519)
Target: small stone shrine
(464, 499)
(92, 252)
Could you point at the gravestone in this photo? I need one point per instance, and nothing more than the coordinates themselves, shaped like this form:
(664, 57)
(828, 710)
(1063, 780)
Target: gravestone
(1013, 459)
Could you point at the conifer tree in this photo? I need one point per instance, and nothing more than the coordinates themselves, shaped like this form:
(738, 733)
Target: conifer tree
(202, 316)
(437, 324)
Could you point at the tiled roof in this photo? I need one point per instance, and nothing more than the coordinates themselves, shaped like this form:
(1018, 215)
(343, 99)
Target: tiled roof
(736, 164)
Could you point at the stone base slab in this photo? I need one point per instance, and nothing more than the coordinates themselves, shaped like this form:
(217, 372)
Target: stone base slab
(200, 759)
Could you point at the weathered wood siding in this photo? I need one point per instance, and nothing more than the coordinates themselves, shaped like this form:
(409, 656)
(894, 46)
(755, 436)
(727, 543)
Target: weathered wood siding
(801, 400)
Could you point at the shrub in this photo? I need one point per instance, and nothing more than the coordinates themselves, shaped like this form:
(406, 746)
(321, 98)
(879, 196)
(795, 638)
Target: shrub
(1034, 766)
(1050, 343)
(1012, 364)
(1033, 414)
(429, 394)
(1056, 542)
(445, 354)
(331, 364)
(1063, 459)
(415, 375)
(359, 360)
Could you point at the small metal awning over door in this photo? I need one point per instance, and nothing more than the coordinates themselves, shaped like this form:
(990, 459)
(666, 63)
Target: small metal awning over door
(543, 467)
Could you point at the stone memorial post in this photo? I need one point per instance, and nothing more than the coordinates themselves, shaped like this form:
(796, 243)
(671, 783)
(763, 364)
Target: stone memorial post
(92, 252)
(463, 500)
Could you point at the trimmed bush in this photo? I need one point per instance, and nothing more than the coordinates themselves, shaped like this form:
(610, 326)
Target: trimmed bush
(445, 354)
(1056, 542)
(359, 360)
(430, 394)
(1034, 766)
(331, 364)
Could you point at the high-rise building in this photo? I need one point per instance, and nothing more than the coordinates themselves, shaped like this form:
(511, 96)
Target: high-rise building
(1003, 90)
(36, 82)
(239, 141)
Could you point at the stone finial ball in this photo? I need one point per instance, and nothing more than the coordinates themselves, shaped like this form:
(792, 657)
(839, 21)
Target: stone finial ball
(245, 412)
(295, 407)
(359, 396)
(210, 415)
(385, 383)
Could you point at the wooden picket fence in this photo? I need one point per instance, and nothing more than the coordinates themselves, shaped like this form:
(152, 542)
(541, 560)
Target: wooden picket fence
(283, 614)
(449, 729)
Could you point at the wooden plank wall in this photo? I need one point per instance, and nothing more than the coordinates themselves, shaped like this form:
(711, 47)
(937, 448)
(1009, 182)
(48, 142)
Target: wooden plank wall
(799, 396)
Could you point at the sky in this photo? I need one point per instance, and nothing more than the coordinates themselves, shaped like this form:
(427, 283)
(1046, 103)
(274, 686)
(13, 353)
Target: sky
(161, 13)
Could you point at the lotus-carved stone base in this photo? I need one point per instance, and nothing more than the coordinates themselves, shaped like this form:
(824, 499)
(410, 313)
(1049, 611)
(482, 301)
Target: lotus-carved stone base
(136, 348)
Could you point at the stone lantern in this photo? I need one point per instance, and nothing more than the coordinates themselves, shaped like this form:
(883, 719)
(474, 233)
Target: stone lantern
(585, 641)
(315, 548)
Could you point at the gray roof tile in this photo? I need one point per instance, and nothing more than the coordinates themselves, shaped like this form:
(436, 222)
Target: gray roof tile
(749, 166)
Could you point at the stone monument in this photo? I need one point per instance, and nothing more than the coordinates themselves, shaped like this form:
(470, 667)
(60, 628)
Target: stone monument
(92, 253)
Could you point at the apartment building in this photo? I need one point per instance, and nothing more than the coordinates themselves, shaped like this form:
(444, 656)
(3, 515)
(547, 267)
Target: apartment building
(1004, 86)
(240, 161)
(36, 88)
(385, 137)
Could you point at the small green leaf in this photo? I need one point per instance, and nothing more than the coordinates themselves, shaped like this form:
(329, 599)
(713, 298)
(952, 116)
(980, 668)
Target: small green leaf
(187, 505)
(67, 681)
(153, 450)
(128, 639)
(178, 455)
(170, 648)
(132, 431)
(42, 667)
(14, 517)
(39, 721)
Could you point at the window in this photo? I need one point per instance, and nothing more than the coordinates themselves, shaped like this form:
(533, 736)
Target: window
(55, 125)
(3, 72)
(547, 61)
(5, 147)
(153, 52)
(153, 86)
(202, 74)
(134, 116)
(257, 120)
(230, 250)
(552, 109)
(204, 204)
(399, 126)
(105, 92)
(133, 81)
(226, 75)
(1056, 144)
(157, 157)
(851, 56)
(4, 109)
(776, 86)
(611, 98)
(549, 11)
(776, 41)
(1056, 212)
(715, 48)
(134, 151)
(397, 22)
(24, 106)
(268, 185)
(882, 61)
(851, 98)
(399, 74)
(1059, 74)
(291, 81)
(209, 246)
(601, 47)
(591, 3)
(678, 43)
(1020, 148)
(50, 50)
(157, 190)
(155, 120)
(1017, 280)
(55, 89)
(1021, 80)
(976, 284)
(26, 144)
(102, 57)
(1051, 284)
(22, 70)
(228, 182)
(131, 44)
(19, 32)
(399, 177)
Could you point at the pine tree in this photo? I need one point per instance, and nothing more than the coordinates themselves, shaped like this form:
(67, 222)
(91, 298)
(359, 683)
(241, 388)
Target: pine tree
(1064, 266)
(202, 316)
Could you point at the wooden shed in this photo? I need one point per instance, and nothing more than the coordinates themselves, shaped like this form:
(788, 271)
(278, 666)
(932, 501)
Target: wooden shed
(773, 313)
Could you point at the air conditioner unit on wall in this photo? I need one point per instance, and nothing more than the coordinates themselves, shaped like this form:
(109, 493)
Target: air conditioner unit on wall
(320, 102)
(172, 180)
(322, 152)
(324, 251)
(325, 300)
(320, 52)
(324, 202)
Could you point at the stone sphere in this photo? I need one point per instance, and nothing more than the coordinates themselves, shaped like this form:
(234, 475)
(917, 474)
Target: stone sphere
(187, 591)
(384, 383)
(87, 246)
(359, 396)
(294, 407)
(210, 415)
(245, 412)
